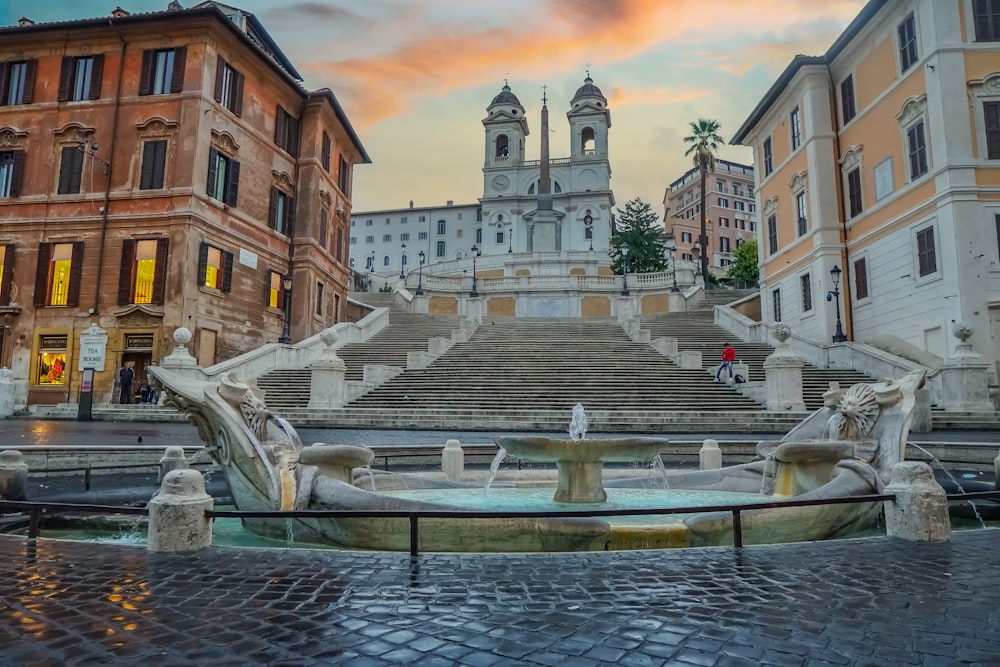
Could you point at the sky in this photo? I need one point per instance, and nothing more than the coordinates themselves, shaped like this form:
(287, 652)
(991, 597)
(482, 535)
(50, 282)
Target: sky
(415, 77)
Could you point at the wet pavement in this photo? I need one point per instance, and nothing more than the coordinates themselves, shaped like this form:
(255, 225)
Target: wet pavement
(877, 601)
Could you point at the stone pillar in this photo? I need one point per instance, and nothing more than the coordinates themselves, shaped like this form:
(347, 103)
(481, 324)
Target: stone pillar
(453, 460)
(475, 309)
(626, 309)
(327, 388)
(710, 456)
(783, 375)
(920, 511)
(676, 302)
(964, 376)
(13, 475)
(173, 459)
(6, 393)
(177, 520)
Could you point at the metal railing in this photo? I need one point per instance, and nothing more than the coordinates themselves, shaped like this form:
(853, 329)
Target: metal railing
(89, 469)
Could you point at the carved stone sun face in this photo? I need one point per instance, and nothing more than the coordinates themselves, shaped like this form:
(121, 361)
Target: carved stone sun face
(858, 411)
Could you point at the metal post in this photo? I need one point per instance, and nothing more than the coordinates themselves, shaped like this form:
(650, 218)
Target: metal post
(673, 266)
(286, 337)
(414, 536)
(834, 295)
(475, 254)
(737, 529)
(420, 274)
(625, 270)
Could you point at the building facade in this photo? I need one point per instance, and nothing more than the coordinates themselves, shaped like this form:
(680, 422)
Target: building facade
(502, 221)
(158, 171)
(730, 210)
(880, 160)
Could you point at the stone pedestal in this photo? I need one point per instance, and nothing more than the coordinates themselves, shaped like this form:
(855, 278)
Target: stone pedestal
(7, 392)
(710, 456)
(920, 511)
(453, 460)
(173, 459)
(676, 302)
(327, 387)
(13, 475)
(965, 376)
(667, 346)
(475, 309)
(580, 482)
(177, 520)
(626, 309)
(783, 375)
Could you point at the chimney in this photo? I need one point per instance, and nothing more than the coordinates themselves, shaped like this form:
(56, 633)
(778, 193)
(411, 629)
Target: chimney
(118, 12)
(174, 6)
(451, 203)
(411, 203)
(24, 20)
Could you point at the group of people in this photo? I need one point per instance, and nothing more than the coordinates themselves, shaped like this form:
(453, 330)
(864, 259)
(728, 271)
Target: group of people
(126, 394)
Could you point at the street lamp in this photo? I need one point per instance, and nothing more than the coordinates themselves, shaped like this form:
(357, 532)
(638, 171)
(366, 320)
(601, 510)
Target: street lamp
(673, 268)
(834, 295)
(286, 282)
(624, 251)
(588, 226)
(402, 261)
(475, 253)
(420, 273)
(510, 241)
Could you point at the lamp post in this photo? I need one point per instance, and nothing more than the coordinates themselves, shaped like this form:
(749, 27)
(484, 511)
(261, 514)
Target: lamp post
(673, 268)
(510, 241)
(402, 261)
(834, 295)
(588, 226)
(475, 254)
(420, 273)
(286, 282)
(624, 250)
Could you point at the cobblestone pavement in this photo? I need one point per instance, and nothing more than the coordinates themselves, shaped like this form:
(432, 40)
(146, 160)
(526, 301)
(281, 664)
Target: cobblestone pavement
(877, 601)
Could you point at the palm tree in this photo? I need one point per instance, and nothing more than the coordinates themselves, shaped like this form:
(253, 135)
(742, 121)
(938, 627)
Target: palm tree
(704, 142)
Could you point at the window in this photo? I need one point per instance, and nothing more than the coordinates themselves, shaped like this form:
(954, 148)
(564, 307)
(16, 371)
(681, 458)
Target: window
(753, 226)
(991, 113)
(772, 234)
(685, 237)
(442, 227)
(282, 212)
(739, 206)
(861, 278)
(753, 207)
(51, 365)
(404, 237)
(422, 218)
(57, 279)
(440, 249)
(848, 108)
(723, 244)
(11, 173)
(723, 222)
(343, 175)
(324, 224)
(80, 78)
(154, 162)
(17, 82)
(387, 238)
(479, 235)
(768, 157)
(325, 152)
(70, 170)
(385, 260)
(721, 185)
(143, 271)
(162, 71)
(854, 191)
(737, 190)
(796, 123)
(916, 145)
(319, 298)
(6, 271)
(223, 177)
(388, 220)
(723, 202)
(926, 257)
(987, 18)
(368, 223)
(776, 304)
(907, 33)
(369, 239)
(340, 245)
(228, 87)
(421, 236)
(403, 219)
(805, 286)
(286, 132)
(215, 268)
(275, 290)
(500, 238)
(800, 209)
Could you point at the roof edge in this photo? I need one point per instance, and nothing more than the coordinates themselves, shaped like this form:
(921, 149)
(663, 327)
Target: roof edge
(331, 99)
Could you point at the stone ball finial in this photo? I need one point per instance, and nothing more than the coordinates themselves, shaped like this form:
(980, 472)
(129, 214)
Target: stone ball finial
(329, 336)
(962, 330)
(782, 332)
(182, 335)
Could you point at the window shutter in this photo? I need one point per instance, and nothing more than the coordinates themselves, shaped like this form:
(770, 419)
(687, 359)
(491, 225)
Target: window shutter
(220, 69)
(238, 94)
(66, 170)
(75, 274)
(8, 274)
(323, 226)
(17, 174)
(160, 164)
(280, 118)
(326, 151)
(227, 271)
(177, 76)
(160, 275)
(4, 73)
(146, 73)
(213, 158)
(981, 10)
(272, 215)
(202, 263)
(29, 81)
(991, 111)
(125, 292)
(42, 274)
(95, 78)
(146, 171)
(289, 217)
(232, 192)
(66, 77)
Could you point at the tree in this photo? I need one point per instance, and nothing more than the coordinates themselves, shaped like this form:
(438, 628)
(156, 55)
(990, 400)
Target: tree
(704, 142)
(640, 229)
(744, 267)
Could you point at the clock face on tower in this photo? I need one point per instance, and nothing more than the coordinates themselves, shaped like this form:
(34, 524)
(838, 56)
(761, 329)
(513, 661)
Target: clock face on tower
(501, 183)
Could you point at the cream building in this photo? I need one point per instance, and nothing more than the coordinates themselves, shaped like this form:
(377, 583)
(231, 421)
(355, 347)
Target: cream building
(882, 158)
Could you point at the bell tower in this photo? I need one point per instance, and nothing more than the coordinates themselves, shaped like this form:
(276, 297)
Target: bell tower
(506, 128)
(589, 120)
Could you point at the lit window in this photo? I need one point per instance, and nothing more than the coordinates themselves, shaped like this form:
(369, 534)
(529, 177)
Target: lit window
(60, 264)
(51, 363)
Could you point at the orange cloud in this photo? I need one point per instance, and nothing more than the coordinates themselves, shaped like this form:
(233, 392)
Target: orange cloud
(620, 96)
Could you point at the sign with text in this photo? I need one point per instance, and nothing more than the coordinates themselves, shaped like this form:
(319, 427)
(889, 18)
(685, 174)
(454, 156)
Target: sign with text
(138, 341)
(93, 348)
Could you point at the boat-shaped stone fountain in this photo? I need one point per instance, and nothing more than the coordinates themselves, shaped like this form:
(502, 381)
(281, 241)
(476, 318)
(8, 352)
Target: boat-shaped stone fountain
(847, 448)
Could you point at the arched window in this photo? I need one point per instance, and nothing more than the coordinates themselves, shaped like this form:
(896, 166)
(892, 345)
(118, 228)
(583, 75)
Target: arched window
(442, 227)
(503, 147)
(588, 225)
(440, 248)
(556, 188)
(587, 141)
(385, 261)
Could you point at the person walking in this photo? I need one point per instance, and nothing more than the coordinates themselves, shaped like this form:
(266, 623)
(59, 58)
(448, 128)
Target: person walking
(125, 376)
(728, 357)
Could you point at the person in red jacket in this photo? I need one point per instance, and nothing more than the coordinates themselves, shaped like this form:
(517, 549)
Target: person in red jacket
(728, 357)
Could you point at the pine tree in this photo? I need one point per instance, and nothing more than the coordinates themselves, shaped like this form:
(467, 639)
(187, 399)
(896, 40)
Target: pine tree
(639, 228)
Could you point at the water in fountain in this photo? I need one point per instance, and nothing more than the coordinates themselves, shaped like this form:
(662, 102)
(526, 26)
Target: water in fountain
(289, 534)
(495, 465)
(578, 424)
(833, 426)
(958, 485)
(658, 465)
(199, 456)
(371, 476)
(769, 474)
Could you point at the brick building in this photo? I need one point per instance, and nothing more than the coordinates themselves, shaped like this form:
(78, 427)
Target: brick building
(163, 170)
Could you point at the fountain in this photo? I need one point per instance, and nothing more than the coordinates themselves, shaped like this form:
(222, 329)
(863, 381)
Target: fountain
(847, 448)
